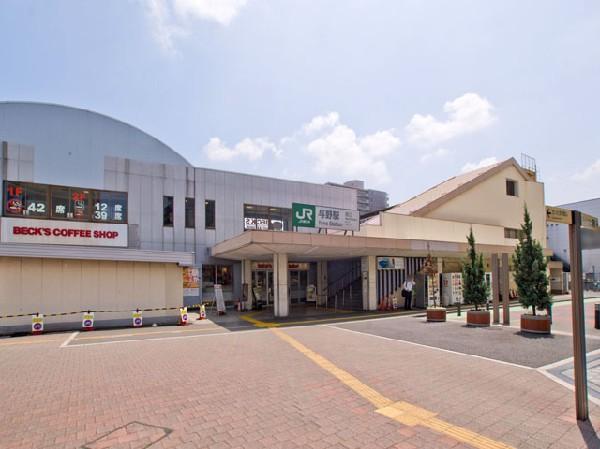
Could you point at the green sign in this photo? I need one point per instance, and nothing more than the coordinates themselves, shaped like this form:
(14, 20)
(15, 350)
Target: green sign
(303, 215)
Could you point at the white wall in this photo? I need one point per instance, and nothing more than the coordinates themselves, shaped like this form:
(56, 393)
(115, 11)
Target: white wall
(31, 285)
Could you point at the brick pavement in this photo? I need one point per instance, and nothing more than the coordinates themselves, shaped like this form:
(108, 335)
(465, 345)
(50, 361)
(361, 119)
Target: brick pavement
(253, 390)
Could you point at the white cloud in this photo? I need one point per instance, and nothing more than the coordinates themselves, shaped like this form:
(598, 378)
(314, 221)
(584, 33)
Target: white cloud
(321, 122)
(173, 19)
(587, 174)
(434, 155)
(334, 148)
(250, 149)
(470, 166)
(466, 114)
(338, 151)
(164, 30)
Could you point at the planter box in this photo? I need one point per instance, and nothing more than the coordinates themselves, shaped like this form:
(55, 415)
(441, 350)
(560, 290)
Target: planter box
(437, 314)
(478, 318)
(538, 324)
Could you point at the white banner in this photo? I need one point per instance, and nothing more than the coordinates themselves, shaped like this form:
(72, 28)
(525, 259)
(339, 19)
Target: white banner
(341, 219)
(27, 230)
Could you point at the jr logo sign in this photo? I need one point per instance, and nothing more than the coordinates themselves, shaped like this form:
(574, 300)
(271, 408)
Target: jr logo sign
(303, 215)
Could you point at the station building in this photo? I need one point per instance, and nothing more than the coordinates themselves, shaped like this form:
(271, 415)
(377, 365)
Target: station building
(98, 215)
(558, 242)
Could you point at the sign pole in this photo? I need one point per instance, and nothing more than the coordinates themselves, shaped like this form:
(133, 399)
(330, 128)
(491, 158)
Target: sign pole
(579, 350)
(496, 288)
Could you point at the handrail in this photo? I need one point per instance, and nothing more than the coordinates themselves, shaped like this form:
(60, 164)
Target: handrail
(344, 280)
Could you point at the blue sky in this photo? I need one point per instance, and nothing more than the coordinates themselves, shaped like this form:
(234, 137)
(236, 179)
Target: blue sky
(399, 93)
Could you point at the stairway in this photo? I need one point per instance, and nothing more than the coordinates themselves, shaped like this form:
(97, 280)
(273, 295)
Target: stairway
(345, 292)
(348, 298)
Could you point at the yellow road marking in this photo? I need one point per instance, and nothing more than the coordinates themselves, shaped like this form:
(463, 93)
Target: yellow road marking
(258, 323)
(402, 412)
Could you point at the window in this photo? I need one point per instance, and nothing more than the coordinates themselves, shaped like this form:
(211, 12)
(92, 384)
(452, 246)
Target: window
(110, 207)
(190, 212)
(265, 218)
(22, 199)
(25, 199)
(511, 188)
(209, 214)
(217, 274)
(167, 211)
(511, 233)
(70, 203)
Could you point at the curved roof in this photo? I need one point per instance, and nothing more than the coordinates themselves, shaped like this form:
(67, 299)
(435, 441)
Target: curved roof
(71, 143)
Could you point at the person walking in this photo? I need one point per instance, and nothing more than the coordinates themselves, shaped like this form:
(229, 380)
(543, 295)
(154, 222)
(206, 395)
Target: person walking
(407, 290)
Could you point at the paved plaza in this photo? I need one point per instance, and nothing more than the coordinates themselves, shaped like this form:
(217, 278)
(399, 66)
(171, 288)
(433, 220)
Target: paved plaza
(395, 382)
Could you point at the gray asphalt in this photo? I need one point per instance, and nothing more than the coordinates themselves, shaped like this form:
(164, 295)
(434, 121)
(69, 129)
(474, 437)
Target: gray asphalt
(500, 343)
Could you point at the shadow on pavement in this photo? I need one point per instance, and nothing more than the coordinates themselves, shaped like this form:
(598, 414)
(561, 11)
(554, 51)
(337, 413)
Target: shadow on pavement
(531, 336)
(589, 434)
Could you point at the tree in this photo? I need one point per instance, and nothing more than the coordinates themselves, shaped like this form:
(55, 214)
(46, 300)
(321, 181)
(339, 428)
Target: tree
(530, 269)
(475, 289)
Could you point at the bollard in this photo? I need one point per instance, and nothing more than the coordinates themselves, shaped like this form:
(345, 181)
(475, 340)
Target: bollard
(597, 315)
(183, 316)
(458, 309)
(37, 323)
(136, 317)
(87, 322)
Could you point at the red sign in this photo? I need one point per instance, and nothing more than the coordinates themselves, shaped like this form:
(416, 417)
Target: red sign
(19, 230)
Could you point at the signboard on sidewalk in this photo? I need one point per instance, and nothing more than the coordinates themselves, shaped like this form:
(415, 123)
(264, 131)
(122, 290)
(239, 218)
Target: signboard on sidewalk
(311, 216)
(219, 298)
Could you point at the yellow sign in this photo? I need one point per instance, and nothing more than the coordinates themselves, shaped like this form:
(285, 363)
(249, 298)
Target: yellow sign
(588, 221)
(558, 215)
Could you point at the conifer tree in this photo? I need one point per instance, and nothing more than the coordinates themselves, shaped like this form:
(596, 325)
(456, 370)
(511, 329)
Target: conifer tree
(475, 289)
(530, 269)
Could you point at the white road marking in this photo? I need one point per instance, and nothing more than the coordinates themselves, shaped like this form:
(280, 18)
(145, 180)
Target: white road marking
(69, 339)
(141, 340)
(565, 361)
(571, 387)
(502, 362)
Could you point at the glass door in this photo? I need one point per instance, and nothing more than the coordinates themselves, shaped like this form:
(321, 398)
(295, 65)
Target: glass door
(262, 286)
(298, 282)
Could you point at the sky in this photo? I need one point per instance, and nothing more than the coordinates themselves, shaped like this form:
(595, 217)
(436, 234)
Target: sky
(399, 93)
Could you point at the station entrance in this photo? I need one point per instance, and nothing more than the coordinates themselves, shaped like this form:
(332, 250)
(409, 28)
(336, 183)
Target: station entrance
(301, 281)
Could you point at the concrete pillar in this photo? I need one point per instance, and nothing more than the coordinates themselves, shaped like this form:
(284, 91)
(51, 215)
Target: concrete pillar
(322, 281)
(495, 267)
(247, 280)
(369, 282)
(281, 305)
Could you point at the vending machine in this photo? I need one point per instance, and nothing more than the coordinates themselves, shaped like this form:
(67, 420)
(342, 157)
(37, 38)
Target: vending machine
(452, 288)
